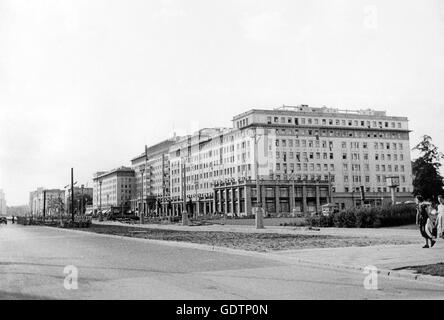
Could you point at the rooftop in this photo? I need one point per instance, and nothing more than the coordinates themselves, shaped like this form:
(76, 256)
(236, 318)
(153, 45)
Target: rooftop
(323, 110)
(116, 170)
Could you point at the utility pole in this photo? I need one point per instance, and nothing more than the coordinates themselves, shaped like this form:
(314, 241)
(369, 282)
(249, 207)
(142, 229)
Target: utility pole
(163, 184)
(184, 196)
(72, 193)
(82, 201)
(142, 170)
(100, 200)
(44, 205)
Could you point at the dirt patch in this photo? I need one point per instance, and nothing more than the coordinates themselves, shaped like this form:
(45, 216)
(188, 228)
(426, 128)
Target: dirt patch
(431, 269)
(260, 242)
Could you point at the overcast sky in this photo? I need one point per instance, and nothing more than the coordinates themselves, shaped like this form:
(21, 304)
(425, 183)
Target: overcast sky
(87, 83)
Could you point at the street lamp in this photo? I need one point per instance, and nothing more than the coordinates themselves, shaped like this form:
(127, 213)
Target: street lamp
(141, 211)
(184, 194)
(100, 200)
(259, 212)
(82, 204)
(196, 186)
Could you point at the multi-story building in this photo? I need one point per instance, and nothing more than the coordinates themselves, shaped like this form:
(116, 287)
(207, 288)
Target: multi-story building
(113, 189)
(303, 157)
(82, 197)
(358, 149)
(3, 208)
(288, 159)
(154, 166)
(50, 200)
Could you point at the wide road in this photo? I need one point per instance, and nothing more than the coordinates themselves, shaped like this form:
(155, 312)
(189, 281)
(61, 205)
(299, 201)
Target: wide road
(33, 259)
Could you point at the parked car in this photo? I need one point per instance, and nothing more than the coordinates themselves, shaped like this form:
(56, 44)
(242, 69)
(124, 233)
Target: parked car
(329, 208)
(3, 220)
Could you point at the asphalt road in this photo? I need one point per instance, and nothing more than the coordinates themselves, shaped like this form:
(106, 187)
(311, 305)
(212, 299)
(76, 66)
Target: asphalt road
(33, 261)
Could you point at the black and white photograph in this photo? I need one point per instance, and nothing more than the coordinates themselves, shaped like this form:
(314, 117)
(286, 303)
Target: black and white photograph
(221, 155)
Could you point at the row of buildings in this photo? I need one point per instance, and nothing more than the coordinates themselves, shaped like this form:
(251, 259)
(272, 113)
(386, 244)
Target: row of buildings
(290, 159)
(53, 202)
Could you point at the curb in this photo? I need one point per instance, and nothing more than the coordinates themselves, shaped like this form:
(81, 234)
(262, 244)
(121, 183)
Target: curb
(405, 275)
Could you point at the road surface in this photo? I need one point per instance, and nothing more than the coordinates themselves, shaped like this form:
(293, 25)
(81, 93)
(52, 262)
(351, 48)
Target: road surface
(33, 261)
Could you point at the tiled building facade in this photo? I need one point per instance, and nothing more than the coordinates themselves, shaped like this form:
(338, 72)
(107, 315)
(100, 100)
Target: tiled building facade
(300, 157)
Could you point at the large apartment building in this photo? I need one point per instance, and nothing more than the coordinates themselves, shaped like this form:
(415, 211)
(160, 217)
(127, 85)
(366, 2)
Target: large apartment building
(305, 157)
(289, 159)
(114, 188)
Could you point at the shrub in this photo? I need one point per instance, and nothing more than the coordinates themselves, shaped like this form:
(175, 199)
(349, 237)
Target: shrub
(320, 221)
(374, 217)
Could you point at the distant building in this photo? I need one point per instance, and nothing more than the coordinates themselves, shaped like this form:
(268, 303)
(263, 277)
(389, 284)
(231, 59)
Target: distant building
(113, 189)
(53, 201)
(18, 211)
(3, 208)
(82, 197)
(154, 163)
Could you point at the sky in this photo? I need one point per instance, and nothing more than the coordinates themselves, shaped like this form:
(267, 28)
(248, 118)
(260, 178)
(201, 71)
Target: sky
(87, 83)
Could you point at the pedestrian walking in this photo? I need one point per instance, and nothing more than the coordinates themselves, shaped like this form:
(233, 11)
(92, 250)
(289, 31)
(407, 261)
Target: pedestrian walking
(422, 217)
(431, 225)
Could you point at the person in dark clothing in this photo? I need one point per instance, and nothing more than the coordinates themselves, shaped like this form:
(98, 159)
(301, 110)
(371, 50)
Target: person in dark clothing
(422, 216)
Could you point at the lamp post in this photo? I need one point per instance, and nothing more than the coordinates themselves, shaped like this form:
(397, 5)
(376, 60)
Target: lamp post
(141, 211)
(100, 201)
(184, 196)
(59, 206)
(196, 186)
(72, 194)
(82, 203)
(44, 205)
(259, 213)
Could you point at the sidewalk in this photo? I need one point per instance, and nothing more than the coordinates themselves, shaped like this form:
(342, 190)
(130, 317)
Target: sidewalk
(385, 258)
(388, 233)
(382, 257)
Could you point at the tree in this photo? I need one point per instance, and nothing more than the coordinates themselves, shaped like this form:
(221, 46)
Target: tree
(427, 180)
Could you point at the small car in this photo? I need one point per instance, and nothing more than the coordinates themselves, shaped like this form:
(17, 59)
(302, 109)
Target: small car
(3, 220)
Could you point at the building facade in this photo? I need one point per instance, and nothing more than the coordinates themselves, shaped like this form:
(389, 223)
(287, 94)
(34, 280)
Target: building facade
(356, 150)
(49, 201)
(82, 197)
(299, 158)
(113, 189)
(288, 160)
(154, 165)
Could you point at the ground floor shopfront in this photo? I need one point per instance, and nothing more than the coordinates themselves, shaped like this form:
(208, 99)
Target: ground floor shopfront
(239, 198)
(277, 198)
